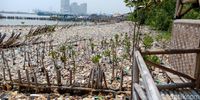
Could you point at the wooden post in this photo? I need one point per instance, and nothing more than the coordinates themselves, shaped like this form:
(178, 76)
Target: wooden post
(47, 78)
(197, 69)
(10, 76)
(121, 80)
(36, 83)
(70, 77)
(58, 77)
(20, 80)
(104, 78)
(27, 77)
(90, 79)
(4, 74)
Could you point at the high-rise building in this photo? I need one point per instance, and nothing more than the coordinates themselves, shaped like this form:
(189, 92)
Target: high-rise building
(83, 8)
(65, 7)
(78, 9)
(74, 8)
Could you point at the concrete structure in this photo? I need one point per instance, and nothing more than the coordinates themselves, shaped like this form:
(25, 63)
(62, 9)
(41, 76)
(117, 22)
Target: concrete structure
(65, 7)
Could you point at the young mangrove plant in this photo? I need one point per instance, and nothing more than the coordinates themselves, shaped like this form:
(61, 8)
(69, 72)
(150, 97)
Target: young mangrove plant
(54, 55)
(63, 56)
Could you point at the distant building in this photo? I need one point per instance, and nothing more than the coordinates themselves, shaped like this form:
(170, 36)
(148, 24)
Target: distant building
(74, 8)
(83, 8)
(78, 9)
(65, 7)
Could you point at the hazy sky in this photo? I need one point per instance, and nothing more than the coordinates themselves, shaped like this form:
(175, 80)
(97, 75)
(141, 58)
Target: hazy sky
(94, 6)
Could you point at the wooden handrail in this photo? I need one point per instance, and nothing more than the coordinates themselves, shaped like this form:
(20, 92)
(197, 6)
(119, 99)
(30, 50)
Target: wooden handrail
(170, 51)
(150, 87)
(169, 70)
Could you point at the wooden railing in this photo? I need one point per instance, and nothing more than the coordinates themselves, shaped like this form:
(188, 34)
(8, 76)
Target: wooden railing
(195, 80)
(147, 80)
(151, 89)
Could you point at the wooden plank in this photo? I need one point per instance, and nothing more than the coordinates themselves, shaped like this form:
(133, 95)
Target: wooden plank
(174, 85)
(151, 89)
(174, 78)
(170, 51)
(169, 70)
(140, 91)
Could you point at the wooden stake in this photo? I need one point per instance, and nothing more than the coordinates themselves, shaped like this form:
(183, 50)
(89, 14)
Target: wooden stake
(4, 74)
(58, 77)
(121, 81)
(20, 80)
(10, 76)
(104, 78)
(70, 77)
(47, 78)
(27, 77)
(36, 83)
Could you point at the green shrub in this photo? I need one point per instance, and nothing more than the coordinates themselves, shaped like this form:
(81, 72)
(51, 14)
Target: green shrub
(148, 42)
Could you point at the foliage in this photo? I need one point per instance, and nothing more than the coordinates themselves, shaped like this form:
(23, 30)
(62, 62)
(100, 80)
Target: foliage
(148, 42)
(158, 15)
(117, 39)
(63, 48)
(54, 54)
(96, 59)
(107, 53)
(162, 37)
(152, 58)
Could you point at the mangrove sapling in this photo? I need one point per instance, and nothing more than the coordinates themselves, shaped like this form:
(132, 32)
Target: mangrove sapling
(63, 56)
(54, 55)
(92, 45)
(114, 57)
(72, 55)
(127, 45)
(107, 53)
(147, 42)
(97, 74)
(117, 39)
